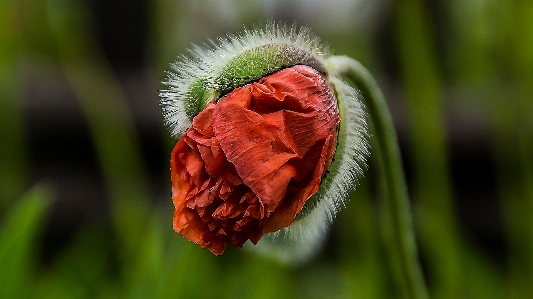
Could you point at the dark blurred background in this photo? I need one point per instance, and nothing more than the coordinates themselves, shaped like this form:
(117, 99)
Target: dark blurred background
(84, 152)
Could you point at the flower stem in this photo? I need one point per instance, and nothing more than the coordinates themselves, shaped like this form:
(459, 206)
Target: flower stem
(398, 228)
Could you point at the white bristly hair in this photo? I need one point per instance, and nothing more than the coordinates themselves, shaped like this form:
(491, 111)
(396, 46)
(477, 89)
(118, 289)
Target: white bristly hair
(209, 62)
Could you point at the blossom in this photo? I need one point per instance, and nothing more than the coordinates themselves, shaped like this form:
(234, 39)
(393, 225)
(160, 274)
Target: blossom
(247, 164)
(270, 141)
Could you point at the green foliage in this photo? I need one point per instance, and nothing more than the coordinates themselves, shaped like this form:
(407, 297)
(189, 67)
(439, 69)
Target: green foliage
(19, 233)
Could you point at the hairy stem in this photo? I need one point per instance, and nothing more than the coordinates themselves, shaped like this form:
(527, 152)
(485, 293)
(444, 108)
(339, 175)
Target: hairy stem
(398, 228)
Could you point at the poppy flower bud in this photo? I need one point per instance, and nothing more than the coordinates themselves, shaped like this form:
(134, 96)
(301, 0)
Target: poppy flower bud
(270, 143)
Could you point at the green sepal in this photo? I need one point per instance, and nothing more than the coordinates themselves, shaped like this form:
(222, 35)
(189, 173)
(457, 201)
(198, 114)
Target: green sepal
(247, 67)
(197, 97)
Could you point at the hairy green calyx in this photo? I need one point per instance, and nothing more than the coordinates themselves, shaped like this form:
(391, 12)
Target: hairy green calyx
(219, 67)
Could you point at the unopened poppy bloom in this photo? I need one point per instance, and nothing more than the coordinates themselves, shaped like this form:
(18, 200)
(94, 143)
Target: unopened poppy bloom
(269, 142)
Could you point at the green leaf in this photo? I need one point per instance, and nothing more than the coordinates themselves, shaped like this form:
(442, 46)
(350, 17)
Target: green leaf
(19, 231)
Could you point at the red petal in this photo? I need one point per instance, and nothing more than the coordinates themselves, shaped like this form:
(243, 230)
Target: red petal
(248, 164)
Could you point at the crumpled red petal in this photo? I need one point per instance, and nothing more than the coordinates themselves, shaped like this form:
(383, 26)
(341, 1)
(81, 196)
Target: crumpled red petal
(247, 164)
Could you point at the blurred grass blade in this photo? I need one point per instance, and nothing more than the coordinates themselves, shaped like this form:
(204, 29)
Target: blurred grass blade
(105, 108)
(12, 137)
(18, 234)
(188, 272)
(358, 231)
(513, 145)
(488, 33)
(439, 236)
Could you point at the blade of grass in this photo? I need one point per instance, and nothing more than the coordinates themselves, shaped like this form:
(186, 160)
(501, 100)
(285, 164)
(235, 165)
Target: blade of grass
(439, 236)
(496, 36)
(19, 232)
(513, 143)
(111, 125)
(361, 252)
(12, 146)
(189, 272)
(485, 33)
(83, 269)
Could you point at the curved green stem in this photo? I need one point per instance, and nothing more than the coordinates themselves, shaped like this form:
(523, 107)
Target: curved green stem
(398, 227)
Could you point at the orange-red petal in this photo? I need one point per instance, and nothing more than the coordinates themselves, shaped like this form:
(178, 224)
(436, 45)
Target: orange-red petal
(247, 164)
